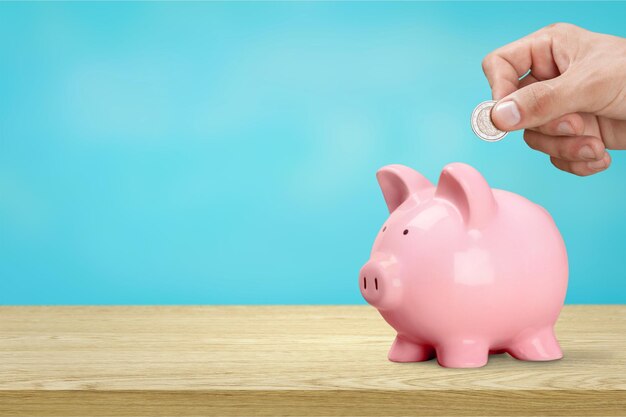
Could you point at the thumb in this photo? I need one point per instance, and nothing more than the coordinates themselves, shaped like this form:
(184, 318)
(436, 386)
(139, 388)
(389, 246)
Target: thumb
(533, 105)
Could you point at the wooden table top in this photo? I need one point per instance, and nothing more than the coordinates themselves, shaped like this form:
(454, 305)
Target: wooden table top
(286, 360)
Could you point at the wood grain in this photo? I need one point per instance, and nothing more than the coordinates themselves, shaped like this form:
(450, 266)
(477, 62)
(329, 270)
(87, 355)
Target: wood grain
(286, 360)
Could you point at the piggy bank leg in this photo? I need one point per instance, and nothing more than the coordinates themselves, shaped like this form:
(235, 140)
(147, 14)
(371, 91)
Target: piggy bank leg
(403, 350)
(536, 345)
(464, 353)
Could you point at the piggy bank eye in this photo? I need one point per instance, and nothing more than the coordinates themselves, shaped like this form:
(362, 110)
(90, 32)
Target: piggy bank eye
(406, 232)
(384, 228)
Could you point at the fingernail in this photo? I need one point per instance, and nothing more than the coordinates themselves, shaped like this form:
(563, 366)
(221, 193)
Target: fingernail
(507, 114)
(587, 153)
(597, 165)
(565, 128)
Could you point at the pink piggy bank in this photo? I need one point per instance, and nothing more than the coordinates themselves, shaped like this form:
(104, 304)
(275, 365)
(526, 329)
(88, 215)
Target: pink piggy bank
(461, 270)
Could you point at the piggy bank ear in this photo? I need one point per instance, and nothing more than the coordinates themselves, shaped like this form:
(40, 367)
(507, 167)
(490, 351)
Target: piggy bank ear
(465, 188)
(398, 182)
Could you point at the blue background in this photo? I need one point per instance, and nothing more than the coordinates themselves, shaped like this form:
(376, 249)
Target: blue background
(225, 152)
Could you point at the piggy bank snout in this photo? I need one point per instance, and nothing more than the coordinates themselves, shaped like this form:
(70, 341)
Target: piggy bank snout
(378, 285)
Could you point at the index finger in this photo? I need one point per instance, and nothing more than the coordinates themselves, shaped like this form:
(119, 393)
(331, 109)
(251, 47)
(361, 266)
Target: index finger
(505, 66)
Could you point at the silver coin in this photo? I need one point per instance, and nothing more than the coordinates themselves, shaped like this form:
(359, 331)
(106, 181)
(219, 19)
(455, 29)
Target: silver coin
(482, 124)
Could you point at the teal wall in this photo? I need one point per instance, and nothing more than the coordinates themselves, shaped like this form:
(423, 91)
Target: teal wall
(225, 152)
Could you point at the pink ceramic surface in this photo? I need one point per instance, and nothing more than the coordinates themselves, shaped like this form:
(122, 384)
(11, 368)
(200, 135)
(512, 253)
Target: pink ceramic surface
(461, 270)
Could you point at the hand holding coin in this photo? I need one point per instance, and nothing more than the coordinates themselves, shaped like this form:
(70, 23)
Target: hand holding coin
(571, 104)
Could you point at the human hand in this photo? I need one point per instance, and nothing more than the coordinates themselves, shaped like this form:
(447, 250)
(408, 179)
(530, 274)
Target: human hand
(572, 104)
